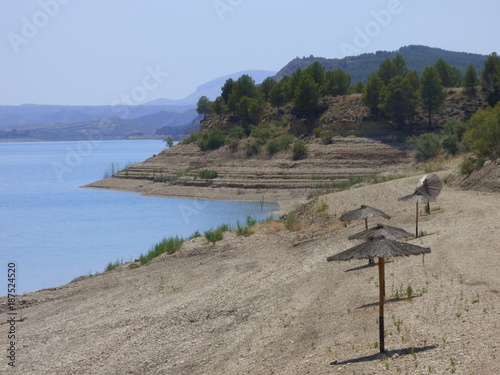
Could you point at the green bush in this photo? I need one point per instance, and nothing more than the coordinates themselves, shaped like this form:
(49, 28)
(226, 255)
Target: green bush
(273, 146)
(191, 138)
(214, 235)
(483, 136)
(211, 140)
(237, 132)
(208, 174)
(233, 144)
(468, 166)
(167, 245)
(285, 141)
(242, 230)
(299, 150)
(253, 147)
(195, 235)
(112, 265)
(426, 146)
(262, 132)
(327, 137)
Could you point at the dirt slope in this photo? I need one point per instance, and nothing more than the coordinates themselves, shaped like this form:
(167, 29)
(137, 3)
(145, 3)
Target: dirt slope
(271, 304)
(273, 179)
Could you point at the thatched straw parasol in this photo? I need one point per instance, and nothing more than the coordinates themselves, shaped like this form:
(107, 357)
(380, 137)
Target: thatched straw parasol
(382, 248)
(381, 230)
(429, 185)
(364, 212)
(428, 188)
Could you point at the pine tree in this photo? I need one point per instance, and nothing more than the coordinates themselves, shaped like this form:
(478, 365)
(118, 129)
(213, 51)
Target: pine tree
(203, 106)
(471, 81)
(431, 92)
(307, 94)
(490, 78)
(371, 93)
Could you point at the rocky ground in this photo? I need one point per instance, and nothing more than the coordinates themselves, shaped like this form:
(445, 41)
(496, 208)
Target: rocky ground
(271, 304)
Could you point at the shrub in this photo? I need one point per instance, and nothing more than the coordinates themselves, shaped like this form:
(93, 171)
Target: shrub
(317, 132)
(233, 144)
(262, 132)
(285, 141)
(250, 221)
(426, 146)
(243, 230)
(327, 138)
(483, 136)
(112, 265)
(191, 138)
(212, 139)
(450, 144)
(169, 141)
(273, 146)
(195, 235)
(253, 147)
(237, 132)
(468, 166)
(291, 223)
(299, 150)
(214, 235)
(323, 207)
(167, 245)
(208, 174)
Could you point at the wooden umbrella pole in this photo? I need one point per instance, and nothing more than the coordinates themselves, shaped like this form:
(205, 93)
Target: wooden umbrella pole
(416, 223)
(381, 280)
(366, 223)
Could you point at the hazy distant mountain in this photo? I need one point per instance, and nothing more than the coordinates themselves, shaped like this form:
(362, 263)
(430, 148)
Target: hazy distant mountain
(30, 114)
(212, 89)
(360, 67)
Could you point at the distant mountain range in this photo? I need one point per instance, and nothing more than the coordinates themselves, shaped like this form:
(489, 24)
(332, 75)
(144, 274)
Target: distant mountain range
(155, 118)
(178, 117)
(361, 66)
(212, 89)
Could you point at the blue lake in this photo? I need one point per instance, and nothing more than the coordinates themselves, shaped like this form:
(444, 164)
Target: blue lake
(55, 231)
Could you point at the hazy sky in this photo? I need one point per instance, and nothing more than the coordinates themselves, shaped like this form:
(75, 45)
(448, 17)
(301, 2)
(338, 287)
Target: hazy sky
(96, 52)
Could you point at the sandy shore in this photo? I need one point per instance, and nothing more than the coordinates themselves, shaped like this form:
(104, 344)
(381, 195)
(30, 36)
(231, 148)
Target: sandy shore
(271, 304)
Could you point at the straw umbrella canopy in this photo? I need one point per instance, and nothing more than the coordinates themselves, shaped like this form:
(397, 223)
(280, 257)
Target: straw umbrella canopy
(381, 230)
(429, 185)
(364, 212)
(428, 189)
(382, 248)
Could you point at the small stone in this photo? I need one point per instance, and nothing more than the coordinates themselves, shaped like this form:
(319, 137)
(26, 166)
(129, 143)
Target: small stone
(334, 362)
(395, 356)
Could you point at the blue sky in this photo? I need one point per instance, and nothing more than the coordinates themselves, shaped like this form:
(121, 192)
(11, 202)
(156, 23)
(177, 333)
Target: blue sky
(93, 52)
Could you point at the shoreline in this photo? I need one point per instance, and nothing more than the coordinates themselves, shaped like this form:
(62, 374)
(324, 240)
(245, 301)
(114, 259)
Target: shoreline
(286, 199)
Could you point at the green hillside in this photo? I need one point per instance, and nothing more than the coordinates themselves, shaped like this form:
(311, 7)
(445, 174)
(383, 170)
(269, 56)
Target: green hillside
(361, 66)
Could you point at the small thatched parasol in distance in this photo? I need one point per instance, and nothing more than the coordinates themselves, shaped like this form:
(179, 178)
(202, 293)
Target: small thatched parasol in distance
(382, 248)
(381, 230)
(364, 212)
(429, 185)
(428, 188)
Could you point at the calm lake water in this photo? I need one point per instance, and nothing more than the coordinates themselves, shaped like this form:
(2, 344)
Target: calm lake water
(56, 231)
